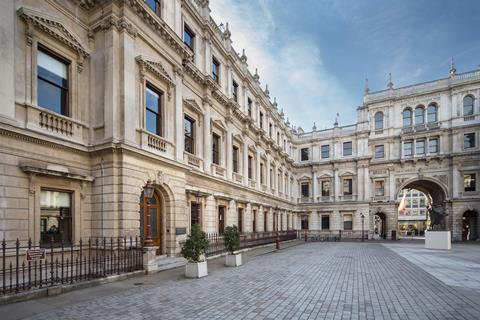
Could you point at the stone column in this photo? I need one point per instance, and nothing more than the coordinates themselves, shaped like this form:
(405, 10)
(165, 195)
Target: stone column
(127, 95)
(207, 137)
(257, 163)
(391, 180)
(314, 186)
(232, 214)
(245, 164)
(366, 186)
(267, 175)
(7, 62)
(336, 184)
(229, 163)
(179, 138)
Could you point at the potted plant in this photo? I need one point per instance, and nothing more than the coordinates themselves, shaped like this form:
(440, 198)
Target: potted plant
(231, 237)
(194, 251)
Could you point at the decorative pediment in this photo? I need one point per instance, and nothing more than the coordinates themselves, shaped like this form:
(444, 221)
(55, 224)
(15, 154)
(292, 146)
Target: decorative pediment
(219, 123)
(155, 67)
(347, 173)
(238, 137)
(192, 104)
(304, 177)
(325, 176)
(53, 27)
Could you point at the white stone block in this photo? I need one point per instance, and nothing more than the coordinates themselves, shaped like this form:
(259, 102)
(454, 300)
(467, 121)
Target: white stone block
(440, 240)
(233, 260)
(196, 269)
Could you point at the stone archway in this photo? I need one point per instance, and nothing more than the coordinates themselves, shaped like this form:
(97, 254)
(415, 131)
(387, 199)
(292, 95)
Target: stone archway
(380, 225)
(436, 196)
(470, 225)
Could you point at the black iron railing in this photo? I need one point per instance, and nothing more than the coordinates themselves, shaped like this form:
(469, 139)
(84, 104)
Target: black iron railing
(216, 243)
(25, 266)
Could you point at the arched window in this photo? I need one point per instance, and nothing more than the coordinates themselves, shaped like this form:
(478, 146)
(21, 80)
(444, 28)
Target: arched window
(378, 120)
(407, 117)
(432, 113)
(419, 115)
(468, 105)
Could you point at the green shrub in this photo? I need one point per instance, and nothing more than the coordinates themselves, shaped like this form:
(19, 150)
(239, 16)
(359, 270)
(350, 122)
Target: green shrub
(196, 245)
(231, 238)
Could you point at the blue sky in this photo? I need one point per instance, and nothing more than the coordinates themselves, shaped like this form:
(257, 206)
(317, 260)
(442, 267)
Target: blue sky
(316, 54)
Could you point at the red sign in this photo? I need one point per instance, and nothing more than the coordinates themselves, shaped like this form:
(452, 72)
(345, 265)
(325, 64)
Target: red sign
(35, 254)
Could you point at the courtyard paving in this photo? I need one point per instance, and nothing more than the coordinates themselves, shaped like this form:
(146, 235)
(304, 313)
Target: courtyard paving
(308, 281)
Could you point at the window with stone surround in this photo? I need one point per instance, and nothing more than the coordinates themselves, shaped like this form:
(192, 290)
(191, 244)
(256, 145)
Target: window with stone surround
(250, 167)
(379, 120)
(408, 148)
(304, 222)
(379, 151)
(433, 145)
(326, 222)
(432, 113)
(240, 220)
(407, 117)
(249, 107)
(379, 188)
(189, 134)
(347, 222)
(420, 147)
(347, 148)
(468, 108)
(155, 5)
(235, 90)
(419, 115)
(188, 37)
(347, 187)
(235, 158)
(215, 70)
(55, 216)
(153, 106)
(52, 82)
(469, 182)
(469, 140)
(304, 154)
(216, 149)
(305, 189)
(325, 150)
(325, 188)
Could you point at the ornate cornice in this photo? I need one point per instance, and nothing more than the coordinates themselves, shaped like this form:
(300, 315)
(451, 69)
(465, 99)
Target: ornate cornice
(52, 27)
(156, 68)
(121, 24)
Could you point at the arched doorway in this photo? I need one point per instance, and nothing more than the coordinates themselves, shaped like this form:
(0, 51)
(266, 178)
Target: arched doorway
(470, 225)
(420, 195)
(155, 207)
(380, 226)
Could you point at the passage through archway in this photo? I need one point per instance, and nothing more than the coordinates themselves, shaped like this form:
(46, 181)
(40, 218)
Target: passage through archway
(380, 226)
(417, 199)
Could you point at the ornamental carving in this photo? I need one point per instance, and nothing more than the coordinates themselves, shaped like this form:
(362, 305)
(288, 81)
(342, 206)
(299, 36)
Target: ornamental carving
(157, 69)
(121, 24)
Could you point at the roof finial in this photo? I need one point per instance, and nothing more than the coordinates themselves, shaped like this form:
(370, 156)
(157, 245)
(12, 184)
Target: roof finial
(390, 83)
(256, 77)
(366, 90)
(243, 58)
(336, 120)
(275, 104)
(267, 92)
(314, 128)
(226, 34)
(452, 71)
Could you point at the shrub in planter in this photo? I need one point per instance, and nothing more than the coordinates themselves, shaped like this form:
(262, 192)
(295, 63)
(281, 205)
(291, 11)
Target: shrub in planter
(231, 237)
(194, 251)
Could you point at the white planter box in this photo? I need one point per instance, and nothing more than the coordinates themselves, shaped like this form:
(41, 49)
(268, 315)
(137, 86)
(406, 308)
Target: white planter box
(440, 240)
(196, 270)
(233, 260)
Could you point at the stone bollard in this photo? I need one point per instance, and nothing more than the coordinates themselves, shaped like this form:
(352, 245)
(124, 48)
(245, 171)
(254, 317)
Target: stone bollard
(149, 259)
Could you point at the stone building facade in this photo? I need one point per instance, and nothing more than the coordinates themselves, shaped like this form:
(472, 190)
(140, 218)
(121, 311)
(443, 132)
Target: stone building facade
(103, 96)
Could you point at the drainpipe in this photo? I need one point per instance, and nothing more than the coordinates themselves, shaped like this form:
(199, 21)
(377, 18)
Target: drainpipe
(102, 172)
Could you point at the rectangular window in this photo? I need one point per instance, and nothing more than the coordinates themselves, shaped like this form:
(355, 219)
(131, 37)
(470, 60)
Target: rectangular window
(195, 213)
(270, 130)
(52, 82)
(278, 138)
(347, 187)
(250, 168)
(379, 152)
(469, 140)
(240, 220)
(325, 188)
(407, 148)
(189, 132)
(235, 159)
(305, 190)
(380, 188)
(249, 107)
(325, 151)
(420, 147)
(271, 177)
(325, 222)
(153, 114)
(216, 149)
(304, 154)
(254, 221)
(261, 173)
(155, 5)
(188, 36)
(304, 223)
(469, 182)
(235, 90)
(347, 148)
(347, 222)
(215, 70)
(55, 216)
(433, 145)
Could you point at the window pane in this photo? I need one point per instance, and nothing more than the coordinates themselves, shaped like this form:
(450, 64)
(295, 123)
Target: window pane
(407, 148)
(347, 187)
(325, 151)
(152, 100)
(54, 67)
(52, 84)
(153, 122)
(407, 117)
(325, 188)
(433, 145)
(51, 97)
(469, 140)
(304, 154)
(469, 182)
(378, 120)
(55, 216)
(419, 112)
(379, 152)
(467, 106)
(347, 148)
(420, 146)
(432, 113)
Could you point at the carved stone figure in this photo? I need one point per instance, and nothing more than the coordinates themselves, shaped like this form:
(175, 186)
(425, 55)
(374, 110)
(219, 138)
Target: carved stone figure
(437, 217)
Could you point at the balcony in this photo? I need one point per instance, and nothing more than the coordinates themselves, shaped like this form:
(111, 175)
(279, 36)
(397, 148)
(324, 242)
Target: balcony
(237, 177)
(155, 144)
(192, 160)
(217, 170)
(264, 188)
(325, 198)
(305, 200)
(349, 197)
(469, 118)
(251, 183)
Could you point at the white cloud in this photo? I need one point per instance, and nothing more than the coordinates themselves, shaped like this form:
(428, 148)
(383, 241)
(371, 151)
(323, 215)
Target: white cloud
(291, 64)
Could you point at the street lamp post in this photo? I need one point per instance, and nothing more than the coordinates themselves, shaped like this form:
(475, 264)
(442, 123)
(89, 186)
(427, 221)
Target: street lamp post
(148, 193)
(277, 241)
(363, 227)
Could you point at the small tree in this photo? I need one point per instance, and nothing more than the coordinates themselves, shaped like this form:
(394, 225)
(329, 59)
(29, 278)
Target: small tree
(196, 244)
(231, 237)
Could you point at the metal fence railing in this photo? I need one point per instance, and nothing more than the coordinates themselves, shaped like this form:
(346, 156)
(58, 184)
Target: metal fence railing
(216, 243)
(25, 266)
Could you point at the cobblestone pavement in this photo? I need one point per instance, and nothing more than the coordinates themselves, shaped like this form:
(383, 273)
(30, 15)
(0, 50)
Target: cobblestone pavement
(312, 281)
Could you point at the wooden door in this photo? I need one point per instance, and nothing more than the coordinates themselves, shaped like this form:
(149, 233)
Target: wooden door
(155, 219)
